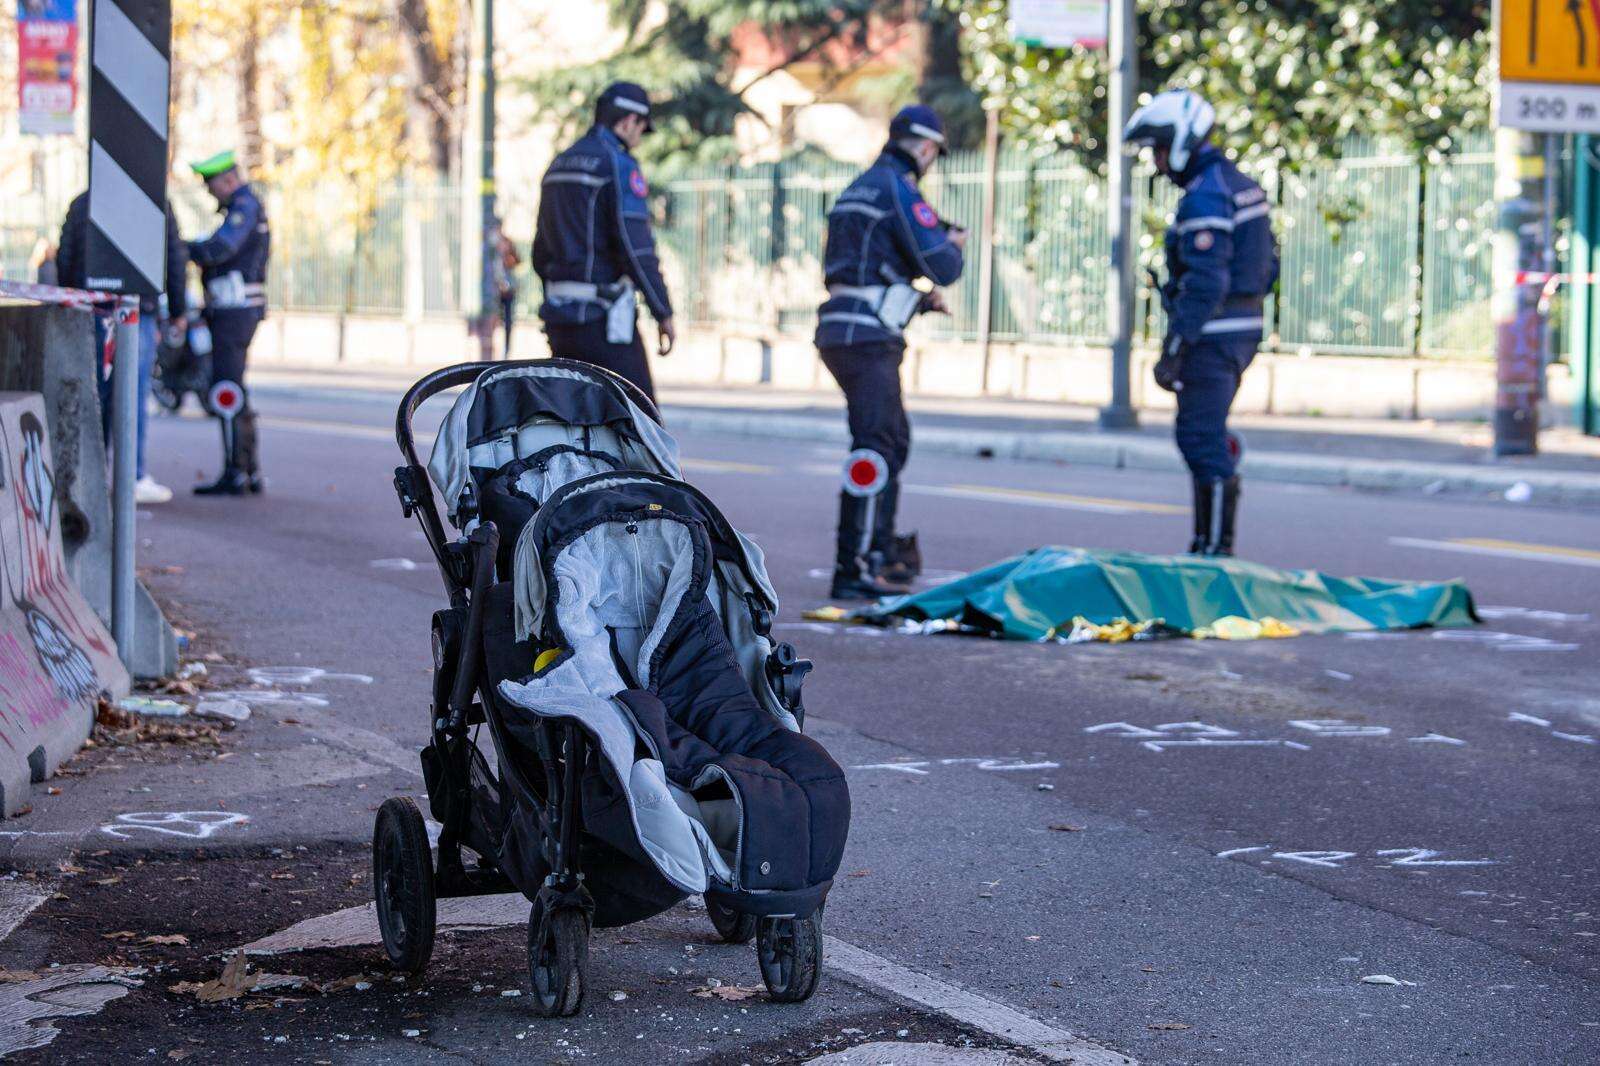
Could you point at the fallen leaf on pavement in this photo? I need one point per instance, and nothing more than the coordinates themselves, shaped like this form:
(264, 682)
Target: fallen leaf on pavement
(1174, 1026)
(343, 983)
(282, 875)
(53, 791)
(180, 1053)
(858, 873)
(120, 934)
(1384, 979)
(170, 938)
(732, 993)
(11, 977)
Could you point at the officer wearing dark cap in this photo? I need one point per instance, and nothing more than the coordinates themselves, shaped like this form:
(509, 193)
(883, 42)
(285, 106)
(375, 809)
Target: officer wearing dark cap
(233, 267)
(594, 250)
(882, 236)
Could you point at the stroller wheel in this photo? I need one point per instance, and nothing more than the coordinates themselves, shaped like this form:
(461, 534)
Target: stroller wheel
(790, 953)
(402, 884)
(558, 960)
(732, 927)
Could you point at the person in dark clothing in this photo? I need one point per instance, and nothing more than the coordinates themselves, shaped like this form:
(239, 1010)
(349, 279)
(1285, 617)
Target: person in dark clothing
(233, 268)
(594, 250)
(71, 273)
(1222, 260)
(882, 236)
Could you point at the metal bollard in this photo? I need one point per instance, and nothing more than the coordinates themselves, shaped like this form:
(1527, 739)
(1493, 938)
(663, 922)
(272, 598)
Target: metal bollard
(124, 437)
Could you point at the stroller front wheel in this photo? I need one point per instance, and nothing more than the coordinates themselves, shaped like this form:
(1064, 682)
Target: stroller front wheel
(558, 960)
(790, 953)
(731, 926)
(402, 884)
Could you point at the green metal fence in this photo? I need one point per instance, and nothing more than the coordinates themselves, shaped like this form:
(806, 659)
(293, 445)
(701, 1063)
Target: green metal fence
(1381, 254)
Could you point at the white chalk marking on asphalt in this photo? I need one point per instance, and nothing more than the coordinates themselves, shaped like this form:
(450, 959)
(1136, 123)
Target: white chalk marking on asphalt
(1242, 851)
(28, 1007)
(358, 926)
(1427, 857)
(1580, 738)
(1038, 498)
(1159, 746)
(167, 823)
(394, 564)
(1330, 859)
(1340, 675)
(1338, 727)
(1505, 549)
(1436, 738)
(300, 675)
(270, 697)
(968, 1008)
(1532, 614)
(1518, 716)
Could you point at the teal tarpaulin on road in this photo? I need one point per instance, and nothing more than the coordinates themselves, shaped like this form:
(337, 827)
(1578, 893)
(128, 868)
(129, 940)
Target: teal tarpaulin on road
(1038, 594)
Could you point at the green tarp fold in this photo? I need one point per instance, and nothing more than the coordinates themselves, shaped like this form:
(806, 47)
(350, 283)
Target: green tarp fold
(1036, 595)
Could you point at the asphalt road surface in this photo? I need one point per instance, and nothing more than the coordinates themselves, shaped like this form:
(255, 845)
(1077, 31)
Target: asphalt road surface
(1189, 852)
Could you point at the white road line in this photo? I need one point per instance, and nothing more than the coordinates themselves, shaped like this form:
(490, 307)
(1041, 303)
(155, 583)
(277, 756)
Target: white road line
(968, 1008)
(1060, 501)
(1530, 553)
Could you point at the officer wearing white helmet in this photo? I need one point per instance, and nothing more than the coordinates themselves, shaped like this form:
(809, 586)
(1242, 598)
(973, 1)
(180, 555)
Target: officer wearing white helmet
(1222, 260)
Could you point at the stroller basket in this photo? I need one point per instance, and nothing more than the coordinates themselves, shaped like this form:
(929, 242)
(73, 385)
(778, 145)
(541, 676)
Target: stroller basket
(612, 631)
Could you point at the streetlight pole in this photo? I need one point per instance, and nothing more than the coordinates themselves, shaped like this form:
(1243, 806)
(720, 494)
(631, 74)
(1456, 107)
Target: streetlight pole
(1124, 87)
(488, 297)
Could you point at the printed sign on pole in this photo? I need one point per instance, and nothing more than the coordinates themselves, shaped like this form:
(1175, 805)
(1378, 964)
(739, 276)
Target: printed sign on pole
(1059, 23)
(1549, 65)
(47, 61)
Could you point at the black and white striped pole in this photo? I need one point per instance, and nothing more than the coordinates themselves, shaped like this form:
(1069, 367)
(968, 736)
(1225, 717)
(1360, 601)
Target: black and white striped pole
(130, 48)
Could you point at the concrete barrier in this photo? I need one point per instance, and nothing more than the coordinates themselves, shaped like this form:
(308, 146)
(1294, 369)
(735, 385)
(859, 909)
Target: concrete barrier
(56, 656)
(51, 351)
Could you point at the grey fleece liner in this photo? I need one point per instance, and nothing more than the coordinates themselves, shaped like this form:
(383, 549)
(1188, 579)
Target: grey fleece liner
(631, 583)
(726, 591)
(653, 450)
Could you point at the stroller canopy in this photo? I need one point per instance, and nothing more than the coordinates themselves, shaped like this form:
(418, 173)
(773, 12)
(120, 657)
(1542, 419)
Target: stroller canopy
(520, 410)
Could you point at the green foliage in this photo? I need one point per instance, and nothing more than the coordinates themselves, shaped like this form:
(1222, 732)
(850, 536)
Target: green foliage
(1290, 78)
(681, 51)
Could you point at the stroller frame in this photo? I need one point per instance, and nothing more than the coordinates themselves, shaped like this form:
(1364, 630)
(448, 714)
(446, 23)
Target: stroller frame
(408, 880)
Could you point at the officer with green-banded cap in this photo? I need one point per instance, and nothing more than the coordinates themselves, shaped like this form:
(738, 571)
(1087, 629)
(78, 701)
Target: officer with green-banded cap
(233, 266)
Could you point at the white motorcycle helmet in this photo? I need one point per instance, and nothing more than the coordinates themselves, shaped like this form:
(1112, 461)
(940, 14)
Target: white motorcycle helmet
(1177, 120)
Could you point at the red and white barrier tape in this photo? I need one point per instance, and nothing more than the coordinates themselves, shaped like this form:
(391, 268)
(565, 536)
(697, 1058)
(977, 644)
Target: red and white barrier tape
(103, 302)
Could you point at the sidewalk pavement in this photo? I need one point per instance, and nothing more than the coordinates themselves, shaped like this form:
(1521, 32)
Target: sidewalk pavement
(1427, 456)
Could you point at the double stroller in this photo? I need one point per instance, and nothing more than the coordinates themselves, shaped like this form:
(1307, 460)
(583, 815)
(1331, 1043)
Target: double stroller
(614, 634)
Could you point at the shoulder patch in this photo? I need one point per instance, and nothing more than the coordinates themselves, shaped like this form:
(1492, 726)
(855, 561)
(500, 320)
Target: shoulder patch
(924, 214)
(637, 184)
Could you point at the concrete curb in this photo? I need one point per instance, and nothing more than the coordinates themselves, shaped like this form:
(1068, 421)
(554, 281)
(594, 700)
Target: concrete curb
(1545, 486)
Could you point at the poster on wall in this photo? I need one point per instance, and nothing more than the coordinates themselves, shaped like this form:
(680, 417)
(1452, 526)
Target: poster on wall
(47, 61)
(1059, 23)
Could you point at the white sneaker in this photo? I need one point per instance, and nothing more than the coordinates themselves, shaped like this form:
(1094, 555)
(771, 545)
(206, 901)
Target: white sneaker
(148, 490)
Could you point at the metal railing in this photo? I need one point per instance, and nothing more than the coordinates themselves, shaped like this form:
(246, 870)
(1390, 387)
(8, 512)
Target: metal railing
(1381, 254)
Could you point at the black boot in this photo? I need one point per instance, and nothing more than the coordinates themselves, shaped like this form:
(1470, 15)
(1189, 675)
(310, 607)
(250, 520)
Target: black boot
(902, 563)
(1205, 496)
(245, 430)
(232, 481)
(853, 576)
(1216, 502)
(1223, 545)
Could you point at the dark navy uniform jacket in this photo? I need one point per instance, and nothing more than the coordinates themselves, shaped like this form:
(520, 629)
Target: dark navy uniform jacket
(880, 232)
(594, 227)
(242, 245)
(1222, 258)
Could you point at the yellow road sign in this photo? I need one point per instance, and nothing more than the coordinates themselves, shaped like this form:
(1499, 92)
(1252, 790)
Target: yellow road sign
(1552, 41)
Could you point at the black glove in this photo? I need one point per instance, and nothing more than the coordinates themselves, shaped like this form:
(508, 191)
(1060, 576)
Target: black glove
(1169, 367)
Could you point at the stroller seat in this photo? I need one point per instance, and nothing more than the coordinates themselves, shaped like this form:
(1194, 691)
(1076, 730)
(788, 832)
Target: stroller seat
(724, 795)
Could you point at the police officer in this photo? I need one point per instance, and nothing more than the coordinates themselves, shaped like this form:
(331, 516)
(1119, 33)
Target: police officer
(1222, 260)
(594, 250)
(882, 236)
(233, 268)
